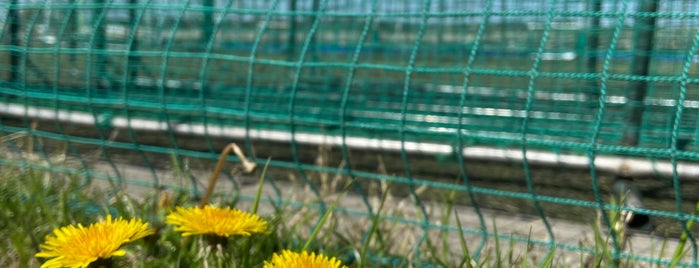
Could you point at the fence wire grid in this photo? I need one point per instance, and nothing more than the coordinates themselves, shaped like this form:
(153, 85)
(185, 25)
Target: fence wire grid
(542, 105)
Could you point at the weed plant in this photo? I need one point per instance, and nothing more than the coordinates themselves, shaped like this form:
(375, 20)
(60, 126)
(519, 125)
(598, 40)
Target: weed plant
(35, 202)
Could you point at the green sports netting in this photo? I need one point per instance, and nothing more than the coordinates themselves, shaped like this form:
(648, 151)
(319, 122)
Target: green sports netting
(542, 103)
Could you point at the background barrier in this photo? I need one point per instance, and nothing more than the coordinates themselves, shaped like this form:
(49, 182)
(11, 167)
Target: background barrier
(536, 107)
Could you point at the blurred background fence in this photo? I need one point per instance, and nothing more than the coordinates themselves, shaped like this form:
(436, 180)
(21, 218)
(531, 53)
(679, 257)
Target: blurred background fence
(535, 107)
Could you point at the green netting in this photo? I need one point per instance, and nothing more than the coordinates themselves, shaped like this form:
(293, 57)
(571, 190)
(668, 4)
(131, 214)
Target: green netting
(504, 102)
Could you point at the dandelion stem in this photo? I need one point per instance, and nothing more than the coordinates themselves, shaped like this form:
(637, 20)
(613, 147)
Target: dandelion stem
(248, 166)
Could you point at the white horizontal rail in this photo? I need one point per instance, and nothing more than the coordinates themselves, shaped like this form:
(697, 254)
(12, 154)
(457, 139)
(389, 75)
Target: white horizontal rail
(631, 166)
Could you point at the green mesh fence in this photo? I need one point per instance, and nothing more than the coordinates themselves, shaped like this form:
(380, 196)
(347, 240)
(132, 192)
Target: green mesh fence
(536, 107)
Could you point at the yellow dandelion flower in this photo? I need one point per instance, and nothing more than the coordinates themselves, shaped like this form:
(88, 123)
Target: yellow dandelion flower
(218, 221)
(290, 259)
(78, 246)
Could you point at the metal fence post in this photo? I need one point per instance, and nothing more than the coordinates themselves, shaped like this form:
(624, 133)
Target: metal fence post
(208, 23)
(637, 90)
(100, 22)
(291, 42)
(592, 46)
(134, 58)
(13, 21)
(640, 64)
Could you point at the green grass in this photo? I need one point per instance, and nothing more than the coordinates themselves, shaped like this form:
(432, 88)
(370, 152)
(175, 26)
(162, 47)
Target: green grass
(34, 202)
